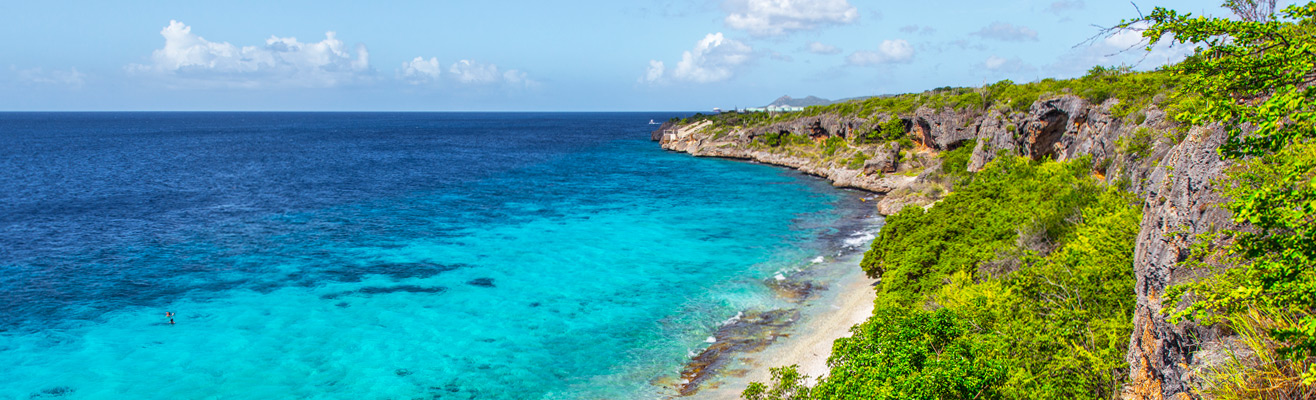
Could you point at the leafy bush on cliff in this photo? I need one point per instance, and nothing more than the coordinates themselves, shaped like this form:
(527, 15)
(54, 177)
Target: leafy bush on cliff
(917, 250)
(783, 139)
(909, 353)
(1014, 286)
(893, 129)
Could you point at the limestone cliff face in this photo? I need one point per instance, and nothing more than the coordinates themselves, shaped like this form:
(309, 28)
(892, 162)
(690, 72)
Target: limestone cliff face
(1144, 149)
(1180, 202)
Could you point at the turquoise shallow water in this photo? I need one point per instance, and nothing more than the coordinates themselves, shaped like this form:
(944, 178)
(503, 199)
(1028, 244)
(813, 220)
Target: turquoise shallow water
(394, 265)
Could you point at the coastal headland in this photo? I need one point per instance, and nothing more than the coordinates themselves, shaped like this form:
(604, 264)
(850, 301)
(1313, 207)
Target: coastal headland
(915, 149)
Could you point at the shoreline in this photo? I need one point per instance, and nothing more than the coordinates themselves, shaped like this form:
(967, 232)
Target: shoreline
(804, 340)
(828, 298)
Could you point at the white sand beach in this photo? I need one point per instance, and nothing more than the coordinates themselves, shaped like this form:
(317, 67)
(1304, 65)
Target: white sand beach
(844, 304)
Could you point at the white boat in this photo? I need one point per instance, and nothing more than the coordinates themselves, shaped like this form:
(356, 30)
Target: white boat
(653, 123)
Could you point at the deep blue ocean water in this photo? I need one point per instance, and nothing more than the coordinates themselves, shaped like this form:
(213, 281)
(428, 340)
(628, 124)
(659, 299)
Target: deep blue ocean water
(380, 255)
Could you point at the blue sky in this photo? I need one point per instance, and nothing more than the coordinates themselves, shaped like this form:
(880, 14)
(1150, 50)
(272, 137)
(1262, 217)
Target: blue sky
(537, 55)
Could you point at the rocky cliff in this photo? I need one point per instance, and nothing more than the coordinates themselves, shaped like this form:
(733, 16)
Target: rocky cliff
(1142, 150)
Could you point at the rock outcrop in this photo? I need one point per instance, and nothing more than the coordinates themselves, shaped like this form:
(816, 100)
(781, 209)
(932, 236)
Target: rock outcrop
(818, 126)
(943, 130)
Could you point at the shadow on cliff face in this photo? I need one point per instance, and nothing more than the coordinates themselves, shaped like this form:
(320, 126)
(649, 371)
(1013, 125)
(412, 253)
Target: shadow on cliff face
(1044, 135)
(924, 136)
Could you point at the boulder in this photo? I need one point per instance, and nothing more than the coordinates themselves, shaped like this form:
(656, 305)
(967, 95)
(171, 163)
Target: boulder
(884, 160)
(995, 133)
(943, 130)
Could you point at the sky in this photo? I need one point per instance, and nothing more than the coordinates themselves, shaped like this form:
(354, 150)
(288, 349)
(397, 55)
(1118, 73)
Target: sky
(439, 55)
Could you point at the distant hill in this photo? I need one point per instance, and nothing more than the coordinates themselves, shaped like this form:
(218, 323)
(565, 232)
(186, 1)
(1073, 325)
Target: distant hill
(805, 102)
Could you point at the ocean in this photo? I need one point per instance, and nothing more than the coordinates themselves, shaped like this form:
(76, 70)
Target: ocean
(383, 255)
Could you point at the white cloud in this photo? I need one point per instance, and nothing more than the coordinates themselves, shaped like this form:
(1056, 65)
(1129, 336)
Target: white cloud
(193, 60)
(1128, 38)
(889, 52)
(778, 17)
(820, 48)
(470, 72)
(1006, 65)
(517, 79)
(1003, 31)
(421, 71)
(714, 59)
(56, 77)
(1127, 47)
(654, 73)
(1132, 39)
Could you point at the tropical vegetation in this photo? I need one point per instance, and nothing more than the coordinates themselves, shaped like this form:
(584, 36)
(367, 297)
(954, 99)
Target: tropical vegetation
(1019, 283)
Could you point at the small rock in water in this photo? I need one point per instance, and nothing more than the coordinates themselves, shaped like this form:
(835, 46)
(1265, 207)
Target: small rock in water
(481, 282)
(401, 372)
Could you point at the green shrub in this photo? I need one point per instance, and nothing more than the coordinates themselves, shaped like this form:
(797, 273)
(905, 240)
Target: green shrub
(915, 250)
(1016, 286)
(1138, 145)
(904, 353)
(956, 162)
(832, 145)
(892, 129)
(857, 161)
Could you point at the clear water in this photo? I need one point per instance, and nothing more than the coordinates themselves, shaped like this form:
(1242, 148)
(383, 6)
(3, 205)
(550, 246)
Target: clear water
(352, 256)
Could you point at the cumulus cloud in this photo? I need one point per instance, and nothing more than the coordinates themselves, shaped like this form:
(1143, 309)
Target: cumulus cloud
(1127, 47)
(1064, 5)
(820, 48)
(420, 71)
(467, 71)
(1006, 65)
(517, 78)
(281, 61)
(471, 72)
(655, 72)
(889, 52)
(778, 17)
(715, 58)
(56, 77)
(1004, 31)
(1132, 39)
